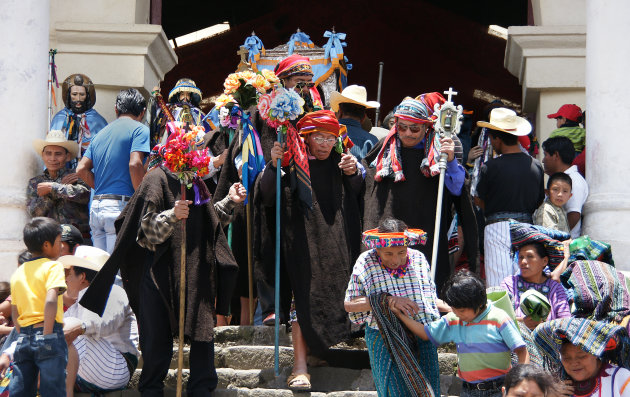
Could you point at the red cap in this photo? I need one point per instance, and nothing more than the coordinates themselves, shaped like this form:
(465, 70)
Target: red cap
(570, 112)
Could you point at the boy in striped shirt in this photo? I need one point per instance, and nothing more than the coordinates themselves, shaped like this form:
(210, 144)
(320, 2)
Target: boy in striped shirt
(484, 334)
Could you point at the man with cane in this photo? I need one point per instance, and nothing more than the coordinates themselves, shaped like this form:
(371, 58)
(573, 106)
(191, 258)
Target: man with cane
(148, 252)
(403, 177)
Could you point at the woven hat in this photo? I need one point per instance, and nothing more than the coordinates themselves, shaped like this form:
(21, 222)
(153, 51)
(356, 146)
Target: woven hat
(185, 85)
(506, 120)
(352, 94)
(87, 257)
(56, 138)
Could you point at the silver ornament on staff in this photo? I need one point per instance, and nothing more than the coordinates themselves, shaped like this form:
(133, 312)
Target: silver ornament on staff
(447, 124)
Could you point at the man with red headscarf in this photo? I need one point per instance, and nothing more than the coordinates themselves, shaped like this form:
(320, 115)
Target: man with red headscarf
(320, 244)
(295, 72)
(402, 180)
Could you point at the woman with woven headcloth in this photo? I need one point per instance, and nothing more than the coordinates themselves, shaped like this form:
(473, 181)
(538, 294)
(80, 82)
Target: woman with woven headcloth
(390, 267)
(320, 233)
(592, 356)
(536, 296)
(402, 180)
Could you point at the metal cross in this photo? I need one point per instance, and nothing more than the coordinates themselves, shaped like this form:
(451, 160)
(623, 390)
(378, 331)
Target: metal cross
(450, 93)
(243, 52)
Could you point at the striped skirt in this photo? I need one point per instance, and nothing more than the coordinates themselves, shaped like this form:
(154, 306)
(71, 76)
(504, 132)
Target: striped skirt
(387, 379)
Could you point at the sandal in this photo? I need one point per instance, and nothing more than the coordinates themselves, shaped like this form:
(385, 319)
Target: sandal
(301, 382)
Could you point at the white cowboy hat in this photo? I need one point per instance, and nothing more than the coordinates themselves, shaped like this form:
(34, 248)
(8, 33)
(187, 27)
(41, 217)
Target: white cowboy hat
(379, 132)
(56, 138)
(506, 120)
(87, 257)
(352, 94)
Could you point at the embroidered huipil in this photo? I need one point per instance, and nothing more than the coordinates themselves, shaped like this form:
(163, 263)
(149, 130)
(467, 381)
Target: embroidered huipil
(370, 276)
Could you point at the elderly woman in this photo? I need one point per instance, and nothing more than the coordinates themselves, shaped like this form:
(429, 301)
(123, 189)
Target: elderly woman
(390, 267)
(320, 233)
(591, 355)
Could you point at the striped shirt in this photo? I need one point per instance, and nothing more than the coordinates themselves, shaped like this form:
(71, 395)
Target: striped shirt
(369, 277)
(483, 345)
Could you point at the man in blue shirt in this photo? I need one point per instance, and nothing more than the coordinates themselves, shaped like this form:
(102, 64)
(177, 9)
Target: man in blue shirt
(350, 106)
(113, 165)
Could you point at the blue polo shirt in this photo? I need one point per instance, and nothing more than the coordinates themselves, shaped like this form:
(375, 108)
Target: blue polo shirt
(110, 151)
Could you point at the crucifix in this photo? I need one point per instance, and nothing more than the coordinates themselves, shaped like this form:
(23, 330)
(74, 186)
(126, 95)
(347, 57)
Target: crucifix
(243, 64)
(450, 93)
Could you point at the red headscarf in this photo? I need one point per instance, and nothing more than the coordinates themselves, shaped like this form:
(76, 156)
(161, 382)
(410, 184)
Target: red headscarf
(293, 65)
(324, 121)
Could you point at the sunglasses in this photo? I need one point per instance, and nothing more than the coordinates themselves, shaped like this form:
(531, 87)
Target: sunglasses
(405, 127)
(329, 141)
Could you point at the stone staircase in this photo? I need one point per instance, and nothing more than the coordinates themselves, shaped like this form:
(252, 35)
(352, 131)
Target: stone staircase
(244, 358)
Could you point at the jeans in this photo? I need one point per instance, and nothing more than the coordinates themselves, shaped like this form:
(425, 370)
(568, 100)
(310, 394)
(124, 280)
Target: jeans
(103, 213)
(46, 355)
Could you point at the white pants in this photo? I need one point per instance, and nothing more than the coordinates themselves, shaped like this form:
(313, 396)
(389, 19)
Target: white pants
(101, 364)
(497, 253)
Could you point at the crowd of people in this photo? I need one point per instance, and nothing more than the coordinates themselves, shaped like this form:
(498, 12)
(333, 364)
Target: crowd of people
(98, 285)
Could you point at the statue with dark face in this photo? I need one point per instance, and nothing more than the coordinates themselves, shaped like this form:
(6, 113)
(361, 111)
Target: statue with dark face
(78, 119)
(183, 104)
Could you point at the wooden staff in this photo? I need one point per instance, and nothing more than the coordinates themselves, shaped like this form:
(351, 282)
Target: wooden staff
(182, 300)
(250, 260)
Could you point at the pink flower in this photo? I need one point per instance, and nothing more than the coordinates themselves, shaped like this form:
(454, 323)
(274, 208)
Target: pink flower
(264, 104)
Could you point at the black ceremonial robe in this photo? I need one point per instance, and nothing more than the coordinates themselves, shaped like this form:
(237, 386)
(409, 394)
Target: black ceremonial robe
(318, 247)
(414, 201)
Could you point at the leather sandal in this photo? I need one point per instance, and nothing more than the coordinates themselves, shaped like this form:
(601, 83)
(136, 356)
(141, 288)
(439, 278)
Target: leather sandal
(300, 382)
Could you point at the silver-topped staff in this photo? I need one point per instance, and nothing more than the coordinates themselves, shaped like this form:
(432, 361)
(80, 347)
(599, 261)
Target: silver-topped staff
(447, 124)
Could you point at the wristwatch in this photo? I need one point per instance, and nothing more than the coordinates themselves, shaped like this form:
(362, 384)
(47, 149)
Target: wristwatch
(83, 328)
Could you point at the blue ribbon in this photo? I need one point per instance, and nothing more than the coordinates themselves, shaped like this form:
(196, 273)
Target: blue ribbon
(253, 163)
(334, 46)
(254, 45)
(300, 37)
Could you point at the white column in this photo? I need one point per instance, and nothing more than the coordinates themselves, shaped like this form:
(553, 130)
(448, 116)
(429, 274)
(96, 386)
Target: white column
(607, 211)
(24, 28)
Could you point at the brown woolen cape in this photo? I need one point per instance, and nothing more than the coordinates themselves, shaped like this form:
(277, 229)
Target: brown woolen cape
(414, 201)
(318, 247)
(210, 267)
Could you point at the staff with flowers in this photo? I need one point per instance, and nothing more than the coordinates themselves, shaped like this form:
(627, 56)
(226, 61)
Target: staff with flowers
(160, 227)
(320, 231)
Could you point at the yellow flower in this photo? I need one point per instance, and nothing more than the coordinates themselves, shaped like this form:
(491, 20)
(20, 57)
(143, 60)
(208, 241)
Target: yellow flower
(231, 83)
(260, 83)
(270, 76)
(246, 75)
(223, 100)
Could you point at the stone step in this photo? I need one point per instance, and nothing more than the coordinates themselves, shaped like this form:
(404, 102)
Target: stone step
(323, 378)
(236, 335)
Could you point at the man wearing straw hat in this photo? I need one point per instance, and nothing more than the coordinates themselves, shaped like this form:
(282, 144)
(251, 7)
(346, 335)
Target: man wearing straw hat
(510, 187)
(350, 106)
(58, 193)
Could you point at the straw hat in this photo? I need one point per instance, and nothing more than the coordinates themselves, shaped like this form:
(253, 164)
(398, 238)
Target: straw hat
(56, 138)
(506, 120)
(87, 257)
(352, 94)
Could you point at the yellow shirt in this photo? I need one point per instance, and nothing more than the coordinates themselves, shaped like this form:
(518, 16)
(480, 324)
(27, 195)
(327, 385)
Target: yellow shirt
(29, 285)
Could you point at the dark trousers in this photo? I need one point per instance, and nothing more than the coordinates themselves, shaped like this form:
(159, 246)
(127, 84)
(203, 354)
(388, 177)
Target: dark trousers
(156, 342)
(266, 297)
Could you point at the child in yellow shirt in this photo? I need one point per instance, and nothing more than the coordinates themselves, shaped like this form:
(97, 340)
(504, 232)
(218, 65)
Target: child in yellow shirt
(37, 311)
